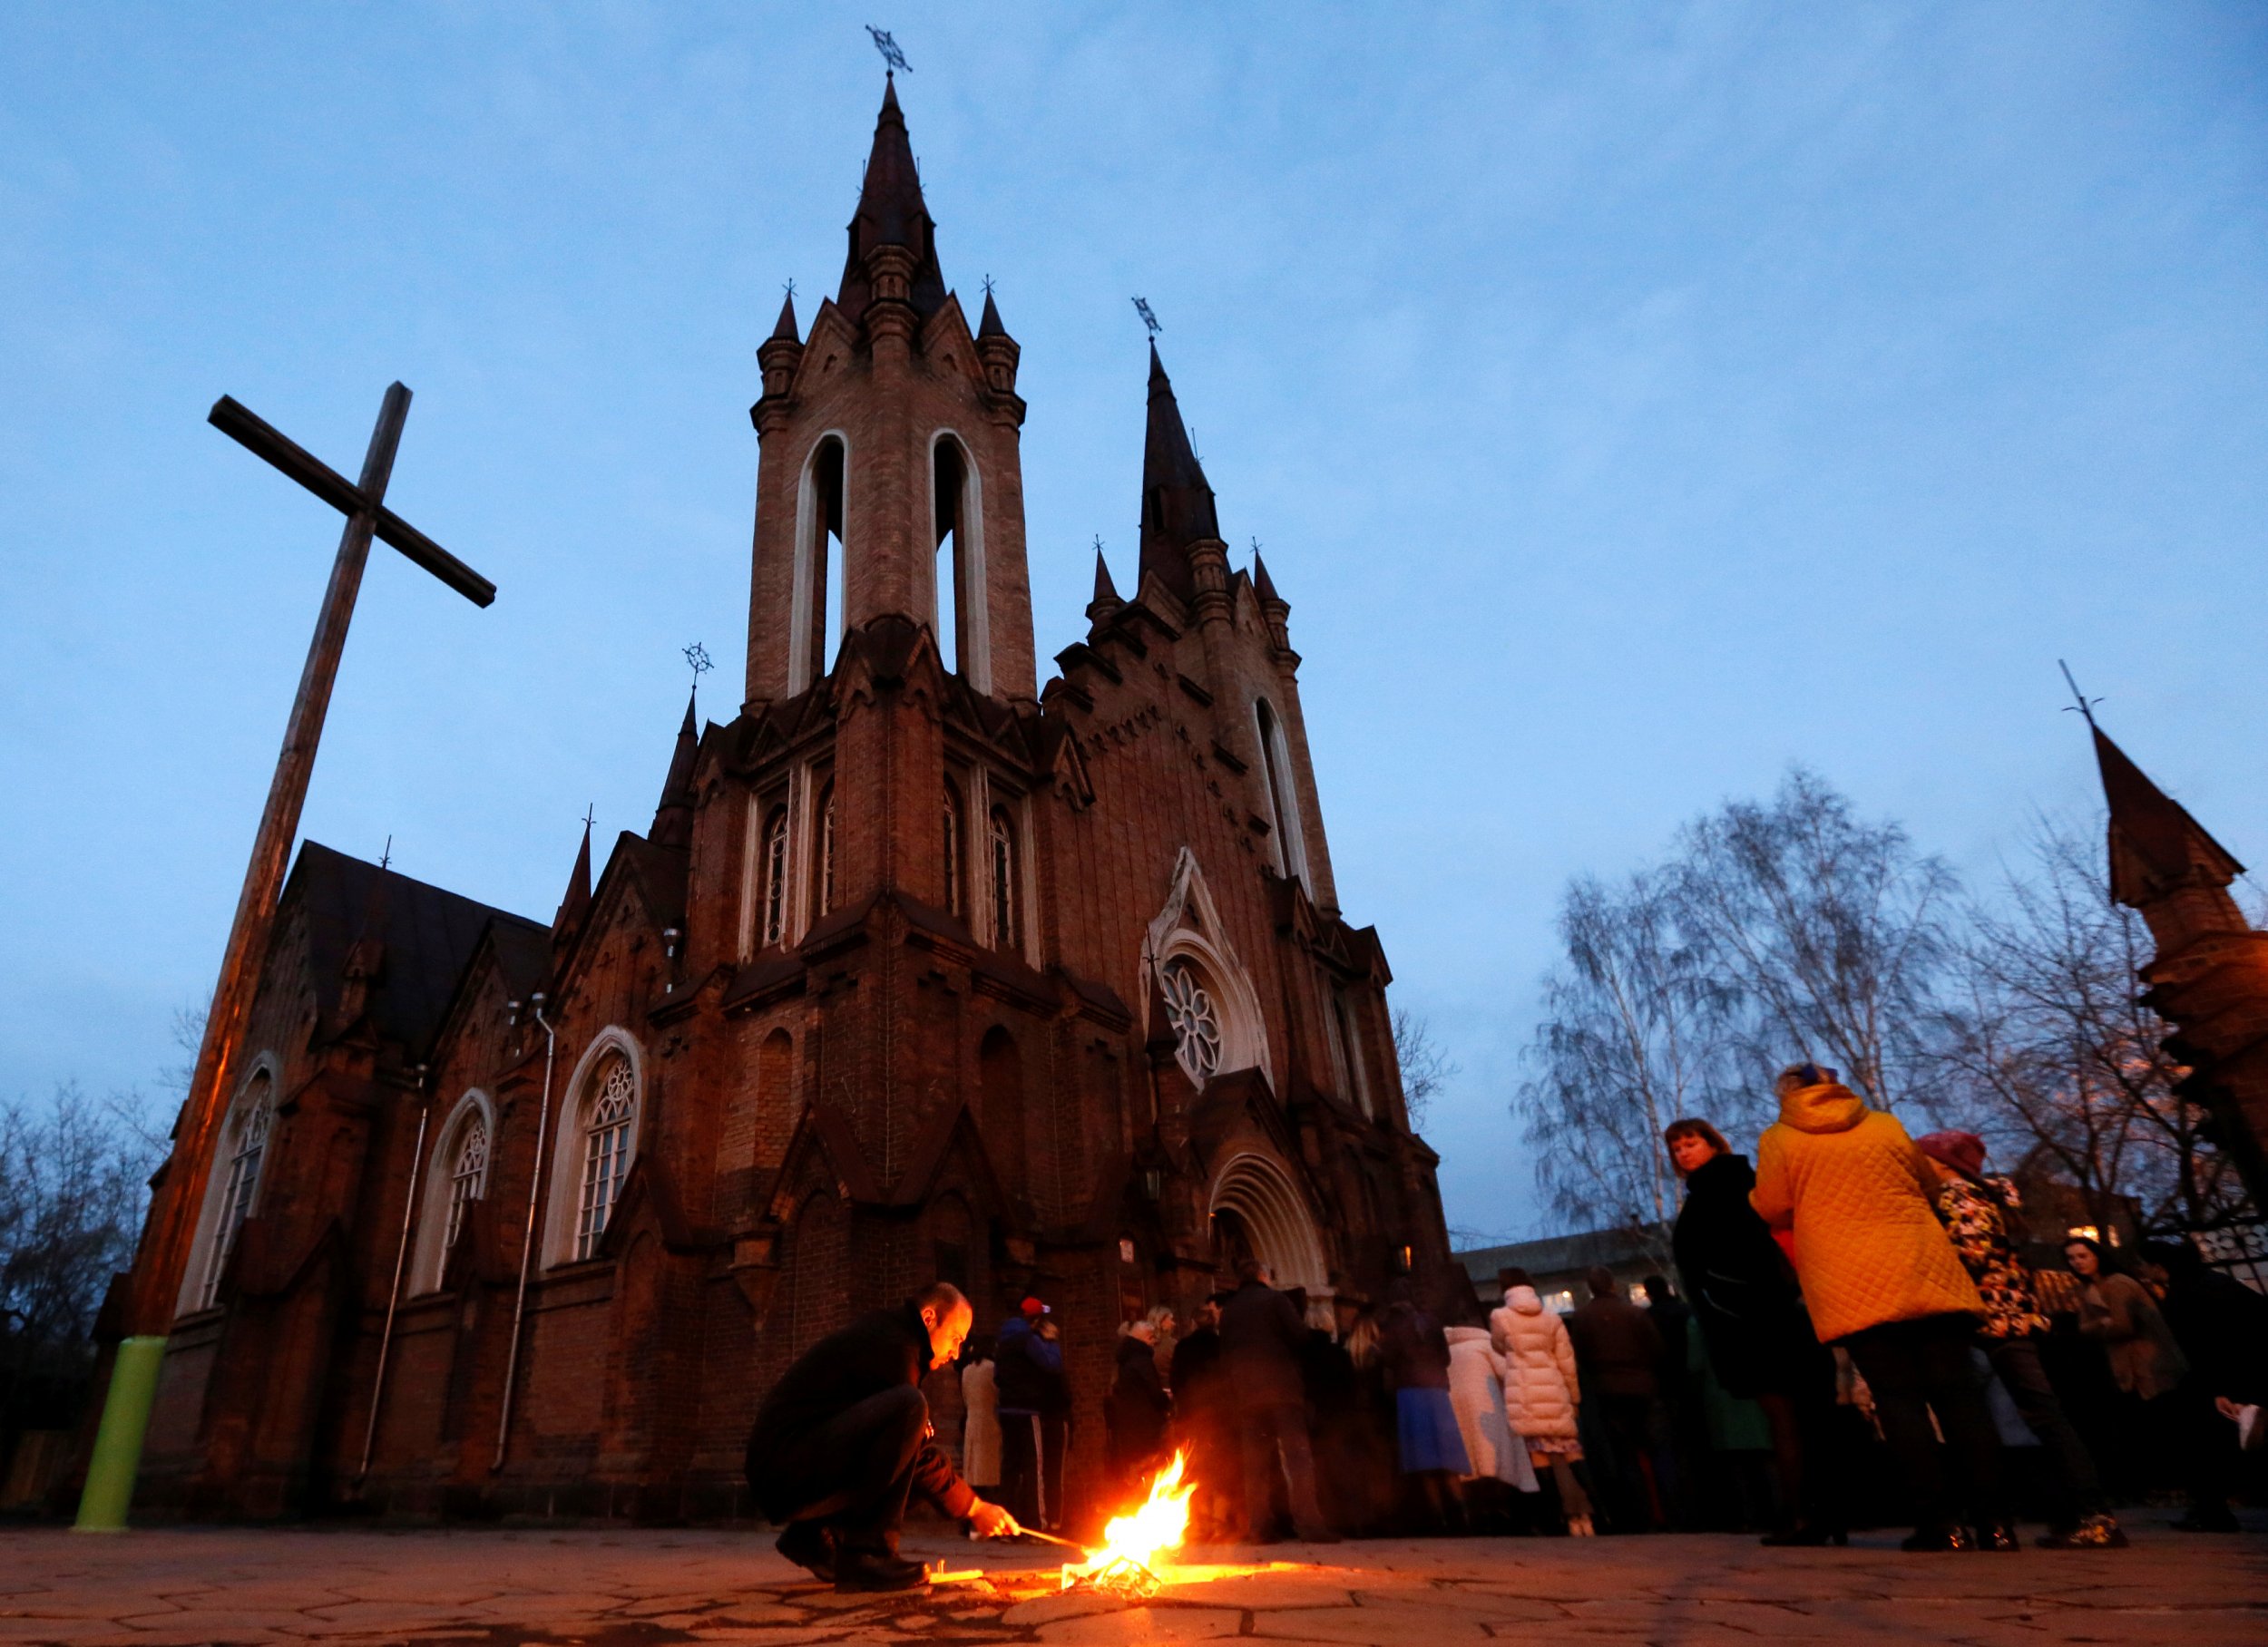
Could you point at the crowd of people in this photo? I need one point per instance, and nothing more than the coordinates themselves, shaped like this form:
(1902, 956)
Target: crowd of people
(1857, 1306)
(1858, 1331)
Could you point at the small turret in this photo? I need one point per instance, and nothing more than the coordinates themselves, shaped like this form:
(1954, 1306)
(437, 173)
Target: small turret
(999, 351)
(673, 818)
(1106, 601)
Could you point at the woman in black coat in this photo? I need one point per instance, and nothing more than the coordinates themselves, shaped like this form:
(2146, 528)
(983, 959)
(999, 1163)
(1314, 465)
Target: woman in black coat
(1759, 1339)
(1139, 1405)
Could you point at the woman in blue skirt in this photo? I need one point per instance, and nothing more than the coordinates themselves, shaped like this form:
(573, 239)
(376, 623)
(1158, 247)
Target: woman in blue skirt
(1432, 1449)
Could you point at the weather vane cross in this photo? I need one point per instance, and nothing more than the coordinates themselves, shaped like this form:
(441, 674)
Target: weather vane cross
(697, 659)
(892, 58)
(2083, 705)
(1141, 308)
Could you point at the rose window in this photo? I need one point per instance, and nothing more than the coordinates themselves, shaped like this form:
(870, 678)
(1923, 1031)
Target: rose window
(1196, 1022)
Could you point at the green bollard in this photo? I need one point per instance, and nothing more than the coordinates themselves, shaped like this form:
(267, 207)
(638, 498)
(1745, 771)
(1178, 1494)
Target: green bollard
(110, 1474)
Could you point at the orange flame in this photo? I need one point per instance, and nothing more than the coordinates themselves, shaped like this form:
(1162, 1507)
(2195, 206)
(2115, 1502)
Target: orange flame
(1134, 1542)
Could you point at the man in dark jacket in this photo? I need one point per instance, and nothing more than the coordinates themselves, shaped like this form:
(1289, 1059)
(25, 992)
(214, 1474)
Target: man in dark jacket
(1027, 1372)
(1202, 1420)
(1620, 1352)
(845, 1435)
(1262, 1340)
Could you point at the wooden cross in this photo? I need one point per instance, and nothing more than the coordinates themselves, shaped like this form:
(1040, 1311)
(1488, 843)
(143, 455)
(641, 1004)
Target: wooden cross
(211, 1086)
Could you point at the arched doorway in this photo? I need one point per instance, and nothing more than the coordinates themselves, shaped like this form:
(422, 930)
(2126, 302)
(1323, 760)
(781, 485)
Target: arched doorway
(1258, 1212)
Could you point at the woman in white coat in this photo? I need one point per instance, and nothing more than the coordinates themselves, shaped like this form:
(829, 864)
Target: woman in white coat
(1542, 1391)
(1476, 1392)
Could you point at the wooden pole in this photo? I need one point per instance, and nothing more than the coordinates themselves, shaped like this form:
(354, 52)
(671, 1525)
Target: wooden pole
(172, 1224)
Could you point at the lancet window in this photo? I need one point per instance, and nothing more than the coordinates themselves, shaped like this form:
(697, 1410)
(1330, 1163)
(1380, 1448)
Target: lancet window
(609, 1120)
(776, 877)
(468, 1177)
(1006, 933)
(953, 869)
(246, 1144)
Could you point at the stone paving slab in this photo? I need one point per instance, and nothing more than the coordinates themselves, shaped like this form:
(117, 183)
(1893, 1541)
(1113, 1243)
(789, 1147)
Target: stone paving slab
(246, 1587)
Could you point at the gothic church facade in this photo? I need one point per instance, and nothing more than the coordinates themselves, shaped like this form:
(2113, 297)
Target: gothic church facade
(923, 969)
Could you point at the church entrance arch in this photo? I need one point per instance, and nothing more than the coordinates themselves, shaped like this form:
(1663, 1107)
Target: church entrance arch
(1258, 1212)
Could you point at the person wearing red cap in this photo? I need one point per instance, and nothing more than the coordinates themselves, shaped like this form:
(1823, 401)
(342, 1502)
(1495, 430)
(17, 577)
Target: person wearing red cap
(1975, 1210)
(1028, 1360)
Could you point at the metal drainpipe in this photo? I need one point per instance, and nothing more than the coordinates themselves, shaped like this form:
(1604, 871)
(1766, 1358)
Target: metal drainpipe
(527, 1245)
(401, 1256)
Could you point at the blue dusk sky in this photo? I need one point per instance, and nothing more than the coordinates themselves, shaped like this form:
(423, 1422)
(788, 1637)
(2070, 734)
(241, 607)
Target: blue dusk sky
(1631, 400)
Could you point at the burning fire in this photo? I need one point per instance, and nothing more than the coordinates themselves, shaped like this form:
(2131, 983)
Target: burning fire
(1132, 1543)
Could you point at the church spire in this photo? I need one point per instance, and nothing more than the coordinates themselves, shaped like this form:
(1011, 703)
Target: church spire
(1106, 601)
(785, 330)
(2156, 848)
(892, 212)
(578, 898)
(1176, 499)
(673, 818)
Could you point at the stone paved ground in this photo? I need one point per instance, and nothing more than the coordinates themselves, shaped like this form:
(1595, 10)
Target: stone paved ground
(634, 1588)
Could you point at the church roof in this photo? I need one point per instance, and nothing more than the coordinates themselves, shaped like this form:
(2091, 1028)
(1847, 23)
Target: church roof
(428, 935)
(2155, 843)
(1176, 499)
(892, 212)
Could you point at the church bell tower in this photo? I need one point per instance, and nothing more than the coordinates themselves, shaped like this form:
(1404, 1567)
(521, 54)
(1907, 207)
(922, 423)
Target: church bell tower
(891, 480)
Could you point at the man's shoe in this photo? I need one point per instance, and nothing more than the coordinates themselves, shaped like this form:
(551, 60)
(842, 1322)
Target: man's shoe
(1997, 1536)
(862, 1571)
(809, 1545)
(1938, 1540)
(2101, 1532)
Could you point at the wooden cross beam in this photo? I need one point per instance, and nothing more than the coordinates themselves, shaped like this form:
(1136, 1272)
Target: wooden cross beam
(212, 1084)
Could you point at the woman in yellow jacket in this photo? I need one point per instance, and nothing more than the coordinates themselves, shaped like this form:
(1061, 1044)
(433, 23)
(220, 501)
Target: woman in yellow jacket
(1880, 1278)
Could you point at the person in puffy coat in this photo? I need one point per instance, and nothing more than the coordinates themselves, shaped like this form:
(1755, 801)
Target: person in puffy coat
(1541, 1391)
(1881, 1280)
(1476, 1391)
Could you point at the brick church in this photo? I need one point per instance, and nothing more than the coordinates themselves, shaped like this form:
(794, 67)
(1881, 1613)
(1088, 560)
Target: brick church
(922, 969)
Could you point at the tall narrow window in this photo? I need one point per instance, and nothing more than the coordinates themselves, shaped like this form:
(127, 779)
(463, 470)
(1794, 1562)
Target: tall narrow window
(946, 489)
(608, 1120)
(953, 849)
(1349, 1050)
(827, 850)
(1006, 935)
(816, 614)
(468, 1177)
(1290, 849)
(776, 876)
(248, 1146)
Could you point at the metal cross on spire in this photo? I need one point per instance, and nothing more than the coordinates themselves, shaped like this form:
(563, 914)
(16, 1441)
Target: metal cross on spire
(386, 858)
(892, 58)
(2082, 705)
(589, 815)
(789, 286)
(1141, 308)
(697, 659)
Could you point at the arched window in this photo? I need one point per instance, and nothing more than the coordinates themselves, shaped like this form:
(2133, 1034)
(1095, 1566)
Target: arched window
(958, 616)
(953, 849)
(776, 877)
(455, 1176)
(1195, 1019)
(825, 865)
(1006, 933)
(245, 1140)
(1350, 1049)
(609, 1119)
(817, 594)
(468, 1177)
(1291, 847)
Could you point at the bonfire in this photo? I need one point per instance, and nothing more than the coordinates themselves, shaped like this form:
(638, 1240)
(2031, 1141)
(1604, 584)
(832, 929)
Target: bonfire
(1134, 1546)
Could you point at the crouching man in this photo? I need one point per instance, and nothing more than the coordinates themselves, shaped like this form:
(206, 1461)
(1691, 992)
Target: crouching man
(844, 1437)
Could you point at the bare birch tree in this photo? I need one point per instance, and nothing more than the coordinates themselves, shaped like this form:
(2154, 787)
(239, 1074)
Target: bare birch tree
(1831, 931)
(1426, 1065)
(1630, 1041)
